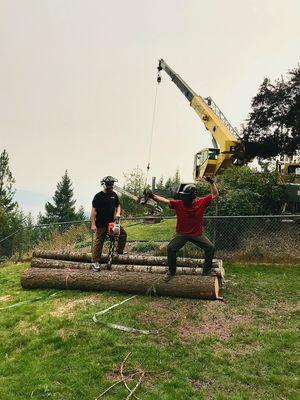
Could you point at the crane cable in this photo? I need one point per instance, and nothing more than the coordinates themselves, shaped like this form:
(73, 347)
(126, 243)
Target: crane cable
(151, 133)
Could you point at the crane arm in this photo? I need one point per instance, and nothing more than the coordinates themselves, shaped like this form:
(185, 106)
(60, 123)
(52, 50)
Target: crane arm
(225, 137)
(179, 82)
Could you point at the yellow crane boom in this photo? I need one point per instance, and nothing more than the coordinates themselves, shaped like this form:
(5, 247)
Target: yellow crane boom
(227, 148)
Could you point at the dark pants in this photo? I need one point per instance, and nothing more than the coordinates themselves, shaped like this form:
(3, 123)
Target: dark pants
(99, 239)
(180, 240)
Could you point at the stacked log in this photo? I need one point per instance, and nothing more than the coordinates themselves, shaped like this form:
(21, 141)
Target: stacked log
(129, 273)
(205, 287)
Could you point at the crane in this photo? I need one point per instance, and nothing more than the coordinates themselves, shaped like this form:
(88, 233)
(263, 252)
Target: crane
(227, 149)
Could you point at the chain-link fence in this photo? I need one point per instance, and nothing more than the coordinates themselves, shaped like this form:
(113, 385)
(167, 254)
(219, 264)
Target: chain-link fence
(255, 238)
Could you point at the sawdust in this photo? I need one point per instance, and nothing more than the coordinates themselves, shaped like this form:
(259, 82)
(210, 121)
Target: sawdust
(214, 320)
(5, 298)
(64, 307)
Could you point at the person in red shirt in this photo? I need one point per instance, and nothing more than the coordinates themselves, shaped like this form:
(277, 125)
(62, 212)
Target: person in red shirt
(189, 228)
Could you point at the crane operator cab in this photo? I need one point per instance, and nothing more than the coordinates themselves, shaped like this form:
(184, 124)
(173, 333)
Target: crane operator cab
(205, 162)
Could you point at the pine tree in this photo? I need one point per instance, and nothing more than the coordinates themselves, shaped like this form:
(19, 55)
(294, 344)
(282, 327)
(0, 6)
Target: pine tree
(11, 218)
(6, 184)
(63, 207)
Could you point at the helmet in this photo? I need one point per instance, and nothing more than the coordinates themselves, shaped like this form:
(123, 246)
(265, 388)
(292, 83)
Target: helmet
(107, 180)
(189, 190)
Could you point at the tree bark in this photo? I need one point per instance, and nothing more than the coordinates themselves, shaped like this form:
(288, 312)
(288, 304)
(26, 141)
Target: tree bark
(123, 258)
(158, 269)
(204, 287)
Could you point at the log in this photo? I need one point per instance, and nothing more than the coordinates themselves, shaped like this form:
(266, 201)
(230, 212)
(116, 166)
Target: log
(122, 259)
(158, 269)
(204, 287)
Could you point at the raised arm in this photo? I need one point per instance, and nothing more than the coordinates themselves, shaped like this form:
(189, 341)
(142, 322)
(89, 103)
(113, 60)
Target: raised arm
(213, 187)
(160, 199)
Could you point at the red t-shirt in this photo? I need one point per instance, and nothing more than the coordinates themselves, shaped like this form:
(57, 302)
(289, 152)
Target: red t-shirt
(190, 218)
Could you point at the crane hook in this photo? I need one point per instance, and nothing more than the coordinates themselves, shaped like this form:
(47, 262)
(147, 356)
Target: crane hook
(158, 77)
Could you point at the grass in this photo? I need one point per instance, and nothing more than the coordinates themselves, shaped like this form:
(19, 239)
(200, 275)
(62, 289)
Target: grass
(162, 231)
(244, 348)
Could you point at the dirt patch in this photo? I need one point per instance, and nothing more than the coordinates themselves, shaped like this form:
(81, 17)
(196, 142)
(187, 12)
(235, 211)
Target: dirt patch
(281, 308)
(25, 328)
(159, 314)
(199, 384)
(216, 319)
(238, 350)
(65, 307)
(5, 298)
(116, 376)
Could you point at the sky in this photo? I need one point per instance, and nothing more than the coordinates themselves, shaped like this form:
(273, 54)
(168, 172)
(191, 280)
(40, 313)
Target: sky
(78, 83)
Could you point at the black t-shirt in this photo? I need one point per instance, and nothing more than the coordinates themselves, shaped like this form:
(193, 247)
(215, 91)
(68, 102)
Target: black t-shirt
(105, 204)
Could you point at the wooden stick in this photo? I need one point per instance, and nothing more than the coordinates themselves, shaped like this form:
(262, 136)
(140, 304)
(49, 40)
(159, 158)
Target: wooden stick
(136, 386)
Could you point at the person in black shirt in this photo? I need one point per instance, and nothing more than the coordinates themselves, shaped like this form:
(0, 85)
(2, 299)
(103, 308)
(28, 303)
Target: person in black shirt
(105, 209)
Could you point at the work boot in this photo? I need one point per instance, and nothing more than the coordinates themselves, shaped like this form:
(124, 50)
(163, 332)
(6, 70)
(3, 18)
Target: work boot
(168, 276)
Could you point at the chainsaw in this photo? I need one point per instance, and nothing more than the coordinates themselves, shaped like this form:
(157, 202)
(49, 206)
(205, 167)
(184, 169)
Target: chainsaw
(113, 233)
(143, 200)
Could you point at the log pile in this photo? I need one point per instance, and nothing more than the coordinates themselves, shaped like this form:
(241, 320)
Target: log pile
(129, 273)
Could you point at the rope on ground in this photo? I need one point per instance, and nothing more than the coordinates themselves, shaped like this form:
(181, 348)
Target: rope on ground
(131, 329)
(20, 303)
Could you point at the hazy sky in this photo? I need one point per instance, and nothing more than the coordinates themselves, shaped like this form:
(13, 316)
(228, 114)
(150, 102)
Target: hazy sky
(78, 80)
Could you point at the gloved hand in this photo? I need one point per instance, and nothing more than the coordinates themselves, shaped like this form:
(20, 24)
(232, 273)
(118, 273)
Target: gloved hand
(208, 179)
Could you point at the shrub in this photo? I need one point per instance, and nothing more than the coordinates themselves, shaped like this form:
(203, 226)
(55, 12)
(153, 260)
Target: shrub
(143, 247)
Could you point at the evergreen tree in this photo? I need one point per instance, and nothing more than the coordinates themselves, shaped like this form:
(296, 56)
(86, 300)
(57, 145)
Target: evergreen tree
(135, 181)
(11, 218)
(173, 181)
(6, 184)
(273, 126)
(63, 207)
(160, 184)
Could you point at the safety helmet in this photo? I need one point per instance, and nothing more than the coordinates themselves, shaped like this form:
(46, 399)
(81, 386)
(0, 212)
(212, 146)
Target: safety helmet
(108, 179)
(189, 190)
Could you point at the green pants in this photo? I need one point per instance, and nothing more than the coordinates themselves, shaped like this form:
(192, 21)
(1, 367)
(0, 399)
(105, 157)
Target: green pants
(99, 238)
(180, 240)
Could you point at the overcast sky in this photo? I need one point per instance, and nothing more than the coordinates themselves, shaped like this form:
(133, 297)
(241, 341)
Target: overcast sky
(78, 80)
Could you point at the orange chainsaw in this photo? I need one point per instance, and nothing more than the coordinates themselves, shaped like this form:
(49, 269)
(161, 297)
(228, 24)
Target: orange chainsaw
(113, 233)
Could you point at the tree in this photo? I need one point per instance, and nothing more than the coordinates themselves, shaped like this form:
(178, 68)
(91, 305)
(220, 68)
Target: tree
(135, 181)
(135, 184)
(273, 126)
(11, 218)
(244, 191)
(63, 207)
(6, 184)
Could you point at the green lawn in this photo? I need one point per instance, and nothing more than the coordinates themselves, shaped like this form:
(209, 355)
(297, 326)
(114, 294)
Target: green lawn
(243, 348)
(164, 230)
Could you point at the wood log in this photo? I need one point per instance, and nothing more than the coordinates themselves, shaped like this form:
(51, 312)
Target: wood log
(123, 258)
(204, 287)
(157, 269)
